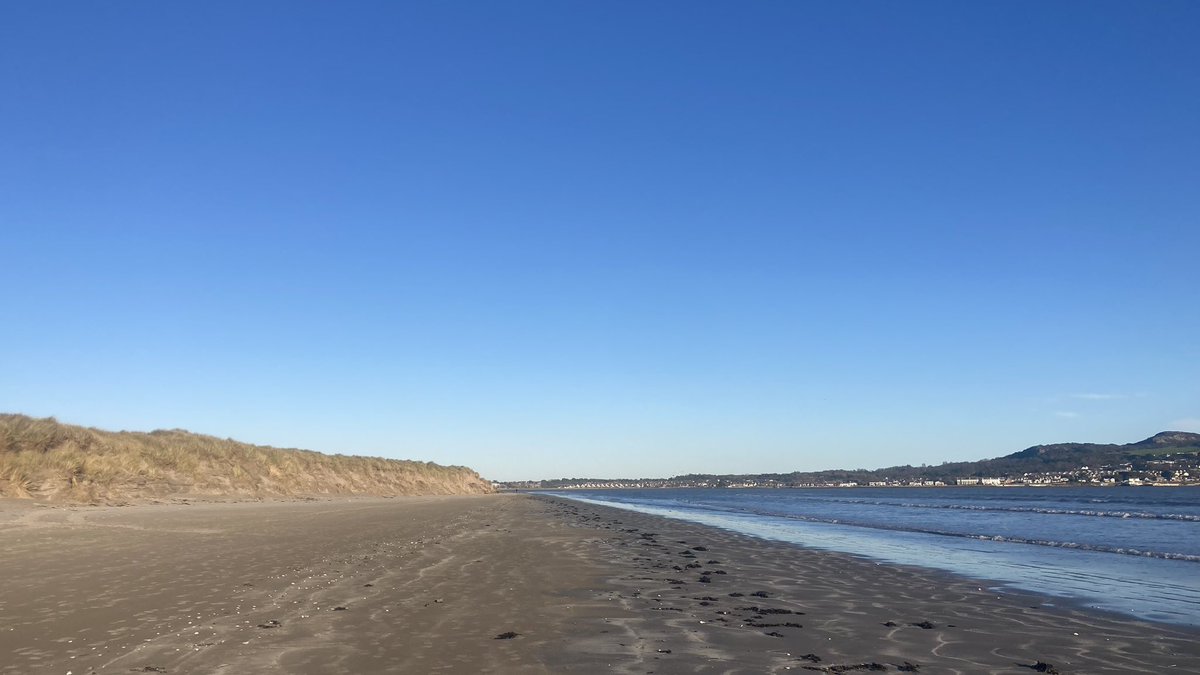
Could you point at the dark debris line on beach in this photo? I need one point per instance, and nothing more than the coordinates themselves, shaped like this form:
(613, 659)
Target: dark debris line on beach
(657, 557)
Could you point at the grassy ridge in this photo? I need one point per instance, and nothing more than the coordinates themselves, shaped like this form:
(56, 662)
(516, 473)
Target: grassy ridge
(45, 459)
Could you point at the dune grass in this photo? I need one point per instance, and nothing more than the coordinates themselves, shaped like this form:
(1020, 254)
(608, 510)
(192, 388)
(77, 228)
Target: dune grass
(43, 458)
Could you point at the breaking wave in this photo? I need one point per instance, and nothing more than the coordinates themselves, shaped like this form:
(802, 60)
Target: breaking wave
(1097, 513)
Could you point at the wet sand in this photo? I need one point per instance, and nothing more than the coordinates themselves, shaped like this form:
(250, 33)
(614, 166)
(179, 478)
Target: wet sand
(504, 584)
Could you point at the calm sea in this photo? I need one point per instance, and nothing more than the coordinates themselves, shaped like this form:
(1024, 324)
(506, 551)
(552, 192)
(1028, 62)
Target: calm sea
(1132, 550)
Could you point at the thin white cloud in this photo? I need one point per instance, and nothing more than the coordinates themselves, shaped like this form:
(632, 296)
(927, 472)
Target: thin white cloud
(1186, 424)
(1099, 397)
(1066, 413)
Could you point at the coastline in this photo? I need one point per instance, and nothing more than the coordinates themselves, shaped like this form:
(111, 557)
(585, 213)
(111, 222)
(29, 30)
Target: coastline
(429, 584)
(1136, 559)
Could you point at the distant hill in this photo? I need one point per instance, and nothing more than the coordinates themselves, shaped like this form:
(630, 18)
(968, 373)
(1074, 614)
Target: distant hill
(1039, 459)
(1061, 456)
(45, 459)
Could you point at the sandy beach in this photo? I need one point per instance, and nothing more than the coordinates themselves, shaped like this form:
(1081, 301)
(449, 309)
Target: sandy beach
(504, 584)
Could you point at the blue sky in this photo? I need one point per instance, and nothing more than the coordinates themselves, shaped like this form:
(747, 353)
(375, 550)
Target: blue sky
(549, 239)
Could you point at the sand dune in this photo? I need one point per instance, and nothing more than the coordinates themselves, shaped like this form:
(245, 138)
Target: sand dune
(47, 460)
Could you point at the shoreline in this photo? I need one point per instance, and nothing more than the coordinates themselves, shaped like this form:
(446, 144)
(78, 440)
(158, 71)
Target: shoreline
(1055, 486)
(429, 584)
(976, 629)
(1030, 574)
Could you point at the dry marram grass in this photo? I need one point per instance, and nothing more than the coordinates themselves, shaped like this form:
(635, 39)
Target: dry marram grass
(42, 458)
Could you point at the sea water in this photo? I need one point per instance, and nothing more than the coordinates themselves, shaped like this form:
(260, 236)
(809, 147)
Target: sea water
(1132, 550)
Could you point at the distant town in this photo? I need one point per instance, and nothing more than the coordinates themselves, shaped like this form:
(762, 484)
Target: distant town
(1166, 459)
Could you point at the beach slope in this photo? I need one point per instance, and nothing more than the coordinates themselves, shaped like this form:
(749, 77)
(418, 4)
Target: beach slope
(505, 584)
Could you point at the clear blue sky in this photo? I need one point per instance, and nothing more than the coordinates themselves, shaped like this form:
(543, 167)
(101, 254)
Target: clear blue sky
(549, 239)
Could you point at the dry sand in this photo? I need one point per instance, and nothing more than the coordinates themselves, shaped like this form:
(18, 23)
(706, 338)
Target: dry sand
(440, 584)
